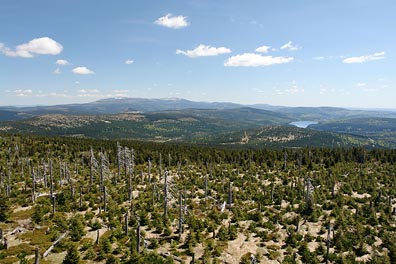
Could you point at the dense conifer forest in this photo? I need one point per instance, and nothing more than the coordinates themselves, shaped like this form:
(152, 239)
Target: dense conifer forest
(86, 201)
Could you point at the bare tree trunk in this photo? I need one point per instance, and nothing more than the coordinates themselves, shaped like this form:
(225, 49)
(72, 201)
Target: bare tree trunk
(180, 216)
(229, 194)
(91, 170)
(328, 244)
(138, 238)
(104, 198)
(179, 169)
(149, 170)
(160, 166)
(53, 204)
(51, 180)
(45, 174)
(81, 190)
(166, 196)
(36, 256)
(126, 223)
(285, 161)
(34, 188)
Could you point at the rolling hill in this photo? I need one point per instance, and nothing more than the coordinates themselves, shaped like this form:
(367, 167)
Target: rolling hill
(180, 120)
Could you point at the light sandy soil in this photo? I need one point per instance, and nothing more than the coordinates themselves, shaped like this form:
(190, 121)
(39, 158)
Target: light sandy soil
(360, 196)
(22, 208)
(92, 234)
(239, 247)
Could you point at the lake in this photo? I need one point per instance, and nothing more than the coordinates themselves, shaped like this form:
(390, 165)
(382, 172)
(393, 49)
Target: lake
(303, 124)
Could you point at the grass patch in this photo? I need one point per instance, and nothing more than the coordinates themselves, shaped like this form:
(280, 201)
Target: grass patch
(10, 260)
(22, 214)
(15, 250)
(38, 238)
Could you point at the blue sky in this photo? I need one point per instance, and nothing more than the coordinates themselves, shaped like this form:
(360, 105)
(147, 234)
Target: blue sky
(296, 53)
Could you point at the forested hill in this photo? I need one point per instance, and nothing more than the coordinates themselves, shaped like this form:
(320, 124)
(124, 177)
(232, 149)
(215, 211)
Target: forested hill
(127, 105)
(242, 127)
(184, 121)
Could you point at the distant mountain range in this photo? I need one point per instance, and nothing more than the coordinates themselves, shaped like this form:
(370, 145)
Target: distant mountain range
(222, 123)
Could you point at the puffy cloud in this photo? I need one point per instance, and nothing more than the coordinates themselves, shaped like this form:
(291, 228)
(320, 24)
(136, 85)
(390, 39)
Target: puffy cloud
(204, 51)
(174, 22)
(57, 71)
(361, 84)
(365, 58)
(62, 62)
(290, 46)
(255, 60)
(38, 46)
(82, 70)
(263, 49)
(128, 62)
(88, 91)
(23, 93)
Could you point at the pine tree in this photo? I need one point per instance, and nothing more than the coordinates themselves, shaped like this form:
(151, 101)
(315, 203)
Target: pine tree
(4, 209)
(72, 256)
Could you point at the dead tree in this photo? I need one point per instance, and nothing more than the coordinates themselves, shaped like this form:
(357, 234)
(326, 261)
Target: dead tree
(126, 223)
(328, 244)
(285, 161)
(229, 194)
(53, 204)
(51, 179)
(180, 217)
(149, 170)
(179, 169)
(138, 237)
(45, 174)
(81, 190)
(206, 187)
(165, 195)
(160, 166)
(309, 189)
(104, 199)
(119, 150)
(36, 256)
(93, 165)
(33, 187)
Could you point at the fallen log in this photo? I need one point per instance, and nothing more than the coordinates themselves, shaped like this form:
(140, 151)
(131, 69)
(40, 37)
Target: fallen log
(54, 244)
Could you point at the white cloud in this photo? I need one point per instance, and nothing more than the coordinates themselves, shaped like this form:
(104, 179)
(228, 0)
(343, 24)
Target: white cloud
(255, 60)
(82, 70)
(128, 62)
(204, 51)
(57, 71)
(170, 21)
(370, 90)
(22, 93)
(365, 58)
(38, 46)
(361, 84)
(318, 58)
(290, 46)
(263, 49)
(62, 62)
(83, 91)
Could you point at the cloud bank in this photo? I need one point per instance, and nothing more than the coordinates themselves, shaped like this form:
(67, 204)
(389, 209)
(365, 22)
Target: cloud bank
(171, 21)
(255, 60)
(204, 51)
(365, 58)
(82, 70)
(37, 46)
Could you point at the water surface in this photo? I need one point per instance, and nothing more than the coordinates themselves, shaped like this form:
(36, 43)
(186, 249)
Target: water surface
(303, 124)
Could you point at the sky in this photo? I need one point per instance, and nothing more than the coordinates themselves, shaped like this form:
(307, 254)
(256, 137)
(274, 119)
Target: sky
(279, 52)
